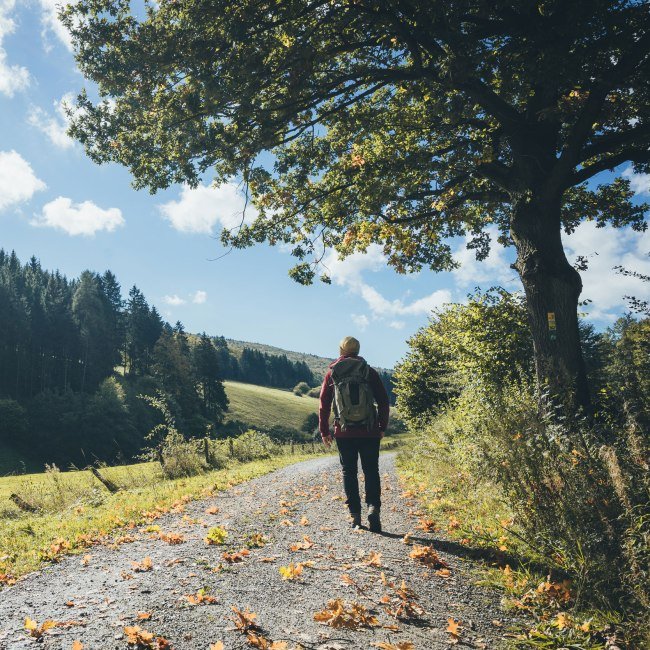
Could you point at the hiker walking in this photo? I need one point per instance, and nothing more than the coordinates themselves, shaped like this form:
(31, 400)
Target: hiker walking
(352, 387)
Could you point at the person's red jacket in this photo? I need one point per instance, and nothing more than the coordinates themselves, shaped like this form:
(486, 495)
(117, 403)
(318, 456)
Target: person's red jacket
(327, 396)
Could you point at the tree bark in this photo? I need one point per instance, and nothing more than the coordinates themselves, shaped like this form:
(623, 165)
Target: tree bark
(552, 288)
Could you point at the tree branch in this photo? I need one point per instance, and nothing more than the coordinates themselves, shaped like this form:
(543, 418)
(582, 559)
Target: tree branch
(606, 143)
(500, 174)
(598, 92)
(631, 155)
(487, 196)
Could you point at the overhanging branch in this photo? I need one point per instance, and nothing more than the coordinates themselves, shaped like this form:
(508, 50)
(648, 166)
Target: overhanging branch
(629, 155)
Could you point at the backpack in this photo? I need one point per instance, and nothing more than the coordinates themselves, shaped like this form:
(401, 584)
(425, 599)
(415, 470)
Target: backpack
(354, 401)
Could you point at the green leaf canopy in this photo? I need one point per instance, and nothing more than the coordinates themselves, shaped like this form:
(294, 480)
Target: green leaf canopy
(405, 123)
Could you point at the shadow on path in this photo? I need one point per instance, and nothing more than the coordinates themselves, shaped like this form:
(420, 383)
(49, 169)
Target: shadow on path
(492, 557)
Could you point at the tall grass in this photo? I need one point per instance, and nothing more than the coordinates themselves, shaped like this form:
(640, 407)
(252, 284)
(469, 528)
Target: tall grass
(580, 495)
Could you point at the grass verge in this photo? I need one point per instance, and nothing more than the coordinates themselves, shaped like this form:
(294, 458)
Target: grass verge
(473, 514)
(27, 540)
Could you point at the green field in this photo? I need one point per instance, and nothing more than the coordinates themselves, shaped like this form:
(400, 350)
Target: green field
(263, 407)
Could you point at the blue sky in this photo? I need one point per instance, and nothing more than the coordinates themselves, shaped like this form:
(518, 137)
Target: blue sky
(73, 215)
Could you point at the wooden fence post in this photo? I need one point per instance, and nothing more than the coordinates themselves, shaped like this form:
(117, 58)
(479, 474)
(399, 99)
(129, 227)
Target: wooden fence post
(107, 483)
(22, 504)
(231, 446)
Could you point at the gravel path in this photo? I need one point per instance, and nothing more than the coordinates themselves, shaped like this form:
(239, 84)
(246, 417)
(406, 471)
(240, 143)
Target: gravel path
(101, 592)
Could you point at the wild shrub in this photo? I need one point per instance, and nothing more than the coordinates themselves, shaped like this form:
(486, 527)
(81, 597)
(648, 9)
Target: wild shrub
(181, 457)
(178, 457)
(301, 388)
(581, 504)
(283, 434)
(486, 340)
(310, 424)
(623, 391)
(254, 445)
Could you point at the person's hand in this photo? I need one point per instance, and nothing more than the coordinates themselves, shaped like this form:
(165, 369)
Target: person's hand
(382, 434)
(327, 440)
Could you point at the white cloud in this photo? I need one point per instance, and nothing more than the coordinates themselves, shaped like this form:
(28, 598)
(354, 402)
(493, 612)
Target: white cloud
(493, 270)
(640, 183)
(605, 248)
(361, 321)
(349, 273)
(18, 182)
(173, 301)
(78, 218)
(200, 209)
(13, 78)
(54, 126)
(51, 22)
(199, 297)
(380, 305)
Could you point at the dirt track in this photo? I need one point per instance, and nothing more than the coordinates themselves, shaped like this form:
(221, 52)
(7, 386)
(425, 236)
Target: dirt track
(103, 593)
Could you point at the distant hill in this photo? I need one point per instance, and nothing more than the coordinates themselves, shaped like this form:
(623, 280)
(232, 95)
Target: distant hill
(318, 365)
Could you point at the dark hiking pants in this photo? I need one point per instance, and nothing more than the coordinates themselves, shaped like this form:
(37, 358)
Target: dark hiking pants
(368, 450)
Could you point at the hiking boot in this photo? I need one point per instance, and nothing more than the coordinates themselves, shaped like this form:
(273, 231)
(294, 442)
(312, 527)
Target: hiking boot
(374, 522)
(356, 519)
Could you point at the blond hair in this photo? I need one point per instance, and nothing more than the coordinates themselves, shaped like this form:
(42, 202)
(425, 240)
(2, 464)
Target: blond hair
(349, 346)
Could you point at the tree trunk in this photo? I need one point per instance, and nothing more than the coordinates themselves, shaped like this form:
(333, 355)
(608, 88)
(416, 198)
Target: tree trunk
(552, 288)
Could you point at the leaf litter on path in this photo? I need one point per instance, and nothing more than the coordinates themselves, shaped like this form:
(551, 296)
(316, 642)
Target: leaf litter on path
(404, 601)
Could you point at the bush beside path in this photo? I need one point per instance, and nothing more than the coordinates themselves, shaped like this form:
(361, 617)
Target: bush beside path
(255, 565)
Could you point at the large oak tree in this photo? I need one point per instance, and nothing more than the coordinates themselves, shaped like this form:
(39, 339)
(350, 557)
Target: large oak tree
(403, 122)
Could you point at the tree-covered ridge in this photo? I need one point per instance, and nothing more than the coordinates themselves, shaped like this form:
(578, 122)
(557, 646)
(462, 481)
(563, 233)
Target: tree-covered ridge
(75, 357)
(317, 364)
(256, 367)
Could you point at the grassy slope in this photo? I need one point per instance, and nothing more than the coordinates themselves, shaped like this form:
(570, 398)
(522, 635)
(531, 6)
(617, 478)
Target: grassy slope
(265, 407)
